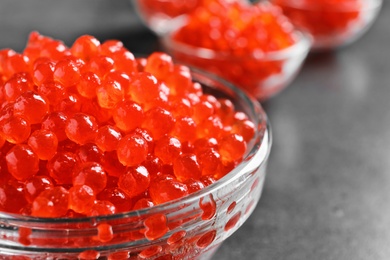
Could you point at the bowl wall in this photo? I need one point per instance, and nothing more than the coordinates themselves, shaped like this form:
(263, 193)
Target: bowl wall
(188, 228)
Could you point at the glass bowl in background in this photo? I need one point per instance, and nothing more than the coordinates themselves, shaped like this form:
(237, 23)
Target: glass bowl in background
(262, 75)
(192, 227)
(331, 24)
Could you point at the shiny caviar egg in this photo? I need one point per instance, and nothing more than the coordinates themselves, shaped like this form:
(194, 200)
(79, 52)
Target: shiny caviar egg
(12, 198)
(89, 152)
(90, 174)
(128, 115)
(209, 161)
(194, 185)
(16, 85)
(158, 121)
(185, 129)
(167, 189)
(22, 162)
(44, 143)
(100, 64)
(51, 202)
(107, 138)
(143, 203)
(35, 185)
(167, 149)
(159, 64)
(32, 106)
(43, 71)
(15, 129)
(90, 130)
(67, 72)
(109, 94)
(81, 128)
(145, 87)
(134, 181)
(81, 198)
(186, 166)
(85, 47)
(55, 122)
(105, 232)
(117, 197)
(53, 92)
(88, 84)
(61, 167)
(232, 147)
(132, 150)
(102, 207)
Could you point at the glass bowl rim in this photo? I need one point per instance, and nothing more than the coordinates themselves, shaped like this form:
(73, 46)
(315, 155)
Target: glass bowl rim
(266, 140)
(301, 47)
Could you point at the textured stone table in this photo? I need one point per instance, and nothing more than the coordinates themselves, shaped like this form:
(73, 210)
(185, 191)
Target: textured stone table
(327, 193)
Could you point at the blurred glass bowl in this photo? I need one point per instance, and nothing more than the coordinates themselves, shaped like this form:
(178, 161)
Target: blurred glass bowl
(262, 75)
(331, 24)
(191, 227)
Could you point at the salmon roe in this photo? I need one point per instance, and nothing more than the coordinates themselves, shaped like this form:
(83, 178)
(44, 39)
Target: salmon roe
(219, 32)
(171, 8)
(90, 130)
(324, 18)
(237, 27)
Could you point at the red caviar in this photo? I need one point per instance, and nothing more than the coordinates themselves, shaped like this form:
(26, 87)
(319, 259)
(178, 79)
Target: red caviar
(171, 8)
(235, 26)
(89, 130)
(81, 198)
(52, 202)
(238, 41)
(326, 20)
(44, 143)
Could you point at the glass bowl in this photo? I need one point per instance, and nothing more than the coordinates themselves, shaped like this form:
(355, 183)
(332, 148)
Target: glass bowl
(191, 227)
(262, 76)
(163, 16)
(331, 25)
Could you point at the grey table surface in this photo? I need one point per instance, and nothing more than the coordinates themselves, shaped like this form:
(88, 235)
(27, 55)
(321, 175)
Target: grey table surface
(327, 192)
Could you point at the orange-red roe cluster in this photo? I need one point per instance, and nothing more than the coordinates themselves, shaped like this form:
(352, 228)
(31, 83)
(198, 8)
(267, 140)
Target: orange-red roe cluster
(235, 38)
(91, 130)
(171, 9)
(322, 18)
(237, 27)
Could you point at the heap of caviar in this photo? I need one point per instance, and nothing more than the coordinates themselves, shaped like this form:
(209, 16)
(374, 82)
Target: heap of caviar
(322, 17)
(171, 8)
(237, 27)
(238, 36)
(91, 130)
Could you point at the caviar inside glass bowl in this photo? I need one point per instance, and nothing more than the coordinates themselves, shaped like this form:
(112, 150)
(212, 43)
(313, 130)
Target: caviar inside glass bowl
(262, 75)
(191, 227)
(162, 16)
(333, 23)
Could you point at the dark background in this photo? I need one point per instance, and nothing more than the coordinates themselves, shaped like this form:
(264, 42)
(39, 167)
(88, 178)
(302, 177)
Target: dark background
(328, 185)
